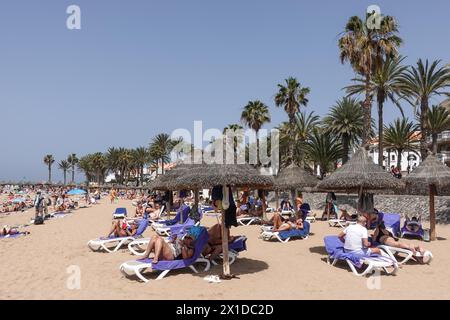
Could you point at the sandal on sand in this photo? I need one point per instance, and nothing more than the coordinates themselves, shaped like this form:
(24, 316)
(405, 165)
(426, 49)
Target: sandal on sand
(427, 257)
(212, 279)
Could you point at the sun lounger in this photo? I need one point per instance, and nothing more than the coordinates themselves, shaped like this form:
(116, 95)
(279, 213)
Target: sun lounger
(335, 250)
(285, 236)
(392, 224)
(112, 244)
(414, 234)
(238, 245)
(120, 213)
(340, 223)
(167, 230)
(246, 221)
(182, 213)
(136, 267)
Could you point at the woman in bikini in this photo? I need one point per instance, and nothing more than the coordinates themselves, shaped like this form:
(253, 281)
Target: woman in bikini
(174, 249)
(385, 237)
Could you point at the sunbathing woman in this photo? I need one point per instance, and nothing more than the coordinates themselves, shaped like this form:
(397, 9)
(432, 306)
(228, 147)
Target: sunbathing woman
(6, 231)
(290, 224)
(172, 250)
(122, 228)
(384, 236)
(154, 213)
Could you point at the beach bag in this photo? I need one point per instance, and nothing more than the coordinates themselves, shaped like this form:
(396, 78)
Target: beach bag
(39, 220)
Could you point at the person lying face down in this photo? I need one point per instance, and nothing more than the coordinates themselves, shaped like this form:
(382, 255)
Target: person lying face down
(174, 249)
(123, 228)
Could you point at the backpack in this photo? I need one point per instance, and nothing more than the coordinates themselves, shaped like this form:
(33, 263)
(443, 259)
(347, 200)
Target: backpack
(39, 220)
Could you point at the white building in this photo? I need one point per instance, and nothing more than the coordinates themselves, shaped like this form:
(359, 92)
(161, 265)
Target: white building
(390, 156)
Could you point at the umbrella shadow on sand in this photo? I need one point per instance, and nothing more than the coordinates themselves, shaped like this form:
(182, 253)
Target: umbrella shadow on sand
(241, 266)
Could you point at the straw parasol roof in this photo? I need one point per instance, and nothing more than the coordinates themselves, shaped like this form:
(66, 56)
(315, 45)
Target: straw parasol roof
(294, 177)
(360, 172)
(209, 175)
(430, 172)
(162, 181)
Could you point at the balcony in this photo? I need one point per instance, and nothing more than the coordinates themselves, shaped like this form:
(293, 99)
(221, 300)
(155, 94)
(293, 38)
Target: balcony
(444, 156)
(442, 137)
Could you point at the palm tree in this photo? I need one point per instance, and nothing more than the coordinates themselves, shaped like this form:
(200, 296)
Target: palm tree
(85, 164)
(305, 124)
(386, 84)
(255, 115)
(420, 83)
(72, 160)
(141, 157)
(161, 147)
(400, 136)
(237, 140)
(323, 149)
(346, 121)
(365, 50)
(98, 163)
(291, 96)
(438, 121)
(49, 160)
(64, 166)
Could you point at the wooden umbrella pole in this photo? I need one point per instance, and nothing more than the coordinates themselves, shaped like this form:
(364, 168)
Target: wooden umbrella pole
(226, 261)
(264, 206)
(277, 200)
(432, 214)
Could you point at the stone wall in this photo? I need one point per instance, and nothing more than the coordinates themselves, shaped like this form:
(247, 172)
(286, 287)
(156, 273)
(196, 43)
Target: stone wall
(403, 204)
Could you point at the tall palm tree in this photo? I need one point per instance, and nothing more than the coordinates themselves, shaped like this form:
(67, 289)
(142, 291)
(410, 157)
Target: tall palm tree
(291, 97)
(64, 166)
(345, 120)
(161, 147)
(438, 121)
(49, 160)
(323, 149)
(365, 50)
(400, 136)
(85, 165)
(141, 158)
(255, 115)
(98, 163)
(420, 83)
(386, 84)
(305, 124)
(72, 160)
(237, 140)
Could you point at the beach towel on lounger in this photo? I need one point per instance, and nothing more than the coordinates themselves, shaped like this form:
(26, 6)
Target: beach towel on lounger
(295, 233)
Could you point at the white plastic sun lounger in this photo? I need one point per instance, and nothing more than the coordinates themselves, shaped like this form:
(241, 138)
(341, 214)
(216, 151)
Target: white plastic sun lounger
(334, 248)
(109, 244)
(112, 244)
(340, 223)
(246, 221)
(404, 255)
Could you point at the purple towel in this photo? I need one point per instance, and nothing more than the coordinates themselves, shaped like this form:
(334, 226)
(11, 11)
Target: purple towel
(239, 244)
(295, 233)
(13, 235)
(335, 249)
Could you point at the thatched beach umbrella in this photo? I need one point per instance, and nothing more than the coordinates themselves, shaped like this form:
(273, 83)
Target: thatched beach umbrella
(294, 178)
(360, 174)
(430, 175)
(210, 175)
(165, 182)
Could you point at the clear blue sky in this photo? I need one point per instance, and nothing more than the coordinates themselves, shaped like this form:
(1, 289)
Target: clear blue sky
(138, 68)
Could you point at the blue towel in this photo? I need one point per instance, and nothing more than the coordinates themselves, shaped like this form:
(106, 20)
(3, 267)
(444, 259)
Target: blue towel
(295, 233)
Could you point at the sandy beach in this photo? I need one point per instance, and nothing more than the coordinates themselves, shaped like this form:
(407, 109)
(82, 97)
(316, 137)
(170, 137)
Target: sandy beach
(35, 266)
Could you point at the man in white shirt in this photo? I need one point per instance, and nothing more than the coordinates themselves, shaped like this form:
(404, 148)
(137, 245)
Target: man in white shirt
(355, 238)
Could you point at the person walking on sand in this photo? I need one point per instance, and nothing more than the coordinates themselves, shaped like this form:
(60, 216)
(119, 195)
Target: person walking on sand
(113, 195)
